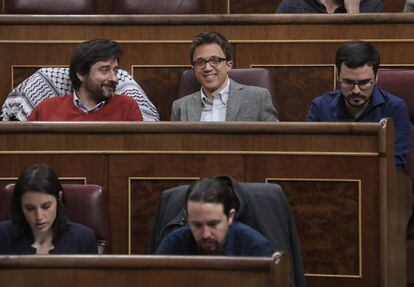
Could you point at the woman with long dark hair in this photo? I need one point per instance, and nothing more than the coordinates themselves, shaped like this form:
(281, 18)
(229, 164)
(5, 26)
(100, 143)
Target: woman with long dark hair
(39, 224)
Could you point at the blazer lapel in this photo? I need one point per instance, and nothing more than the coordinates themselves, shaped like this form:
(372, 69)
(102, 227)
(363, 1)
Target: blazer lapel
(194, 107)
(235, 100)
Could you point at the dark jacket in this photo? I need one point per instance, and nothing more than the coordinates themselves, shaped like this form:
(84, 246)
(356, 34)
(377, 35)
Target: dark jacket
(262, 206)
(76, 239)
(241, 240)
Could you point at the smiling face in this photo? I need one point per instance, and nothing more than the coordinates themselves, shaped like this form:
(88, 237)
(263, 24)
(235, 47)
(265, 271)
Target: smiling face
(100, 83)
(357, 99)
(39, 209)
(212, 78)
(209, 225)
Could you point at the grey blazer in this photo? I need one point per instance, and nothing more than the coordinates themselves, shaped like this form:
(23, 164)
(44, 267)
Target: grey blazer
(246, 103)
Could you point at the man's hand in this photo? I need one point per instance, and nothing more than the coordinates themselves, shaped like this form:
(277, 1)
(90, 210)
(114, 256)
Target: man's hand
(352, 6)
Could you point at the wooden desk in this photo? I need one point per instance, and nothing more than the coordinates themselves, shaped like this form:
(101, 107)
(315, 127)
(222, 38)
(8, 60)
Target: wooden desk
(349, 202)
(299, 50)
(149, 271)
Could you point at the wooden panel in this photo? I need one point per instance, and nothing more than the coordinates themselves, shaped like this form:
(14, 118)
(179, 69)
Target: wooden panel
(326, 209)
(144, 196)
(395, 6)
(297, 86)
(328, 154)
(151, 271)
(19, 74)
(72, 169)
(342, 221)
(161, 85)
(174, 168)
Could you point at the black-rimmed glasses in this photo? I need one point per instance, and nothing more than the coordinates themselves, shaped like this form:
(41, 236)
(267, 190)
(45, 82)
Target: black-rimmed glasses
(362, 85)
(214, 61)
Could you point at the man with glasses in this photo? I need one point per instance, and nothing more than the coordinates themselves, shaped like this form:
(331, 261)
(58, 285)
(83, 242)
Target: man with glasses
(220, 98)
(359, 99)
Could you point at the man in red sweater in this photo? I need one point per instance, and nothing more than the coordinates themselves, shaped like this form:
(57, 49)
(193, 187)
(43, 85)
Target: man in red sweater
(92, 71)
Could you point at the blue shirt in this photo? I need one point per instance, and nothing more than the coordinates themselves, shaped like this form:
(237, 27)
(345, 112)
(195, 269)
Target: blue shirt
(76, 239)
(241, 240)
(315, 6)
(330, 108)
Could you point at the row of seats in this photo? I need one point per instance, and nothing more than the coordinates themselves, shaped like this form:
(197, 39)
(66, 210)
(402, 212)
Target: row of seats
(88, 7)
(397, 81)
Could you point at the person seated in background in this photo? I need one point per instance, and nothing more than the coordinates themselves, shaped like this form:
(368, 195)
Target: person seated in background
(211, 207)
(330, 6)
(359, 99)
(220, 98)
(408, 6)
(39, 224)
(92, 71)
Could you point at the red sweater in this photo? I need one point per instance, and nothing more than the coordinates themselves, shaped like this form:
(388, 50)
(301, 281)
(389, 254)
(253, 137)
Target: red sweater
(61, 108)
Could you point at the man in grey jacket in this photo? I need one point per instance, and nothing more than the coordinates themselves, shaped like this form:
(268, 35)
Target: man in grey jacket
(220, 98)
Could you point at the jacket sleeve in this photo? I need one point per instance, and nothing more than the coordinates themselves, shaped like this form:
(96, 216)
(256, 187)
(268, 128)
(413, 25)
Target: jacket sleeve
(313, 112)
(87, 240)
(169, 215)
(283, 7)
(371, 6)
(267, 110)
(158, 222)
(175, 112)
(403, 135)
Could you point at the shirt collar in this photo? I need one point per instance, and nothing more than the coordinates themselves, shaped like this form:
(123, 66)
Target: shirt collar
(79, 104)
(223, 95)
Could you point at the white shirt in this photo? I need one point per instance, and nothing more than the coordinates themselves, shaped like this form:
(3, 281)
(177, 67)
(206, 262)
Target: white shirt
(215, 110)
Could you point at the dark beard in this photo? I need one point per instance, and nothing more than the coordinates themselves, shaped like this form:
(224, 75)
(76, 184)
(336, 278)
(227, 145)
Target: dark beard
(97, 91)
(101, 95)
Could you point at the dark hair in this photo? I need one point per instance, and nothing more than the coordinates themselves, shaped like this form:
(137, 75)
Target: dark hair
(37, 178)
(88, 53)
(204, 38)
(356, 54)
(212, 190)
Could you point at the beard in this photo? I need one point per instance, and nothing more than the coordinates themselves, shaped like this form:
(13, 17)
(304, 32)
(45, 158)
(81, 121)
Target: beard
(210, 248)
(357, 100)
(100, 91)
